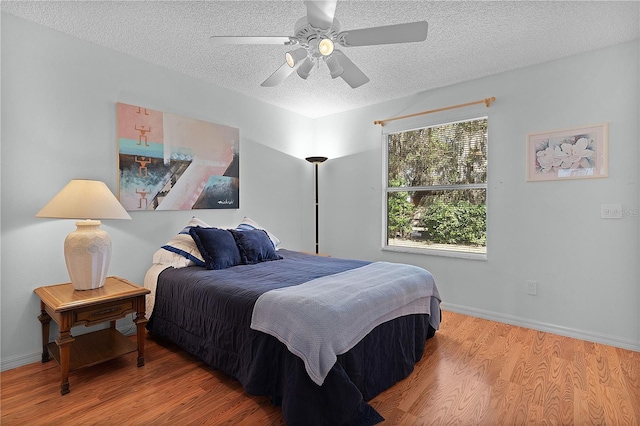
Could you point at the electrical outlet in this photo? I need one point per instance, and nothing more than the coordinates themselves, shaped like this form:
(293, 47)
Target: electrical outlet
(611, 211)
(532, 288)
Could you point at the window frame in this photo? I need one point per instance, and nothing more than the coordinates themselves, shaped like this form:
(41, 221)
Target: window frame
(421, 123)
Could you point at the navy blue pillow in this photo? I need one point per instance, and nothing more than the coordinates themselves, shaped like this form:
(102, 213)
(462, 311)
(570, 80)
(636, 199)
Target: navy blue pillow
(217, 247)
(255, 246)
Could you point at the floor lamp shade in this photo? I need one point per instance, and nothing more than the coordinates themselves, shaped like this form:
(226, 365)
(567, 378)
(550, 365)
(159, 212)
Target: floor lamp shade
(87, 250)
(316, 161)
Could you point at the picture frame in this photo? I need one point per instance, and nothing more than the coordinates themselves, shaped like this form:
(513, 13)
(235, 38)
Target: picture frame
(572, 153)
(171, 162)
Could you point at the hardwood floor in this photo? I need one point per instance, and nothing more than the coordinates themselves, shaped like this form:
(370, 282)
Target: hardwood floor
(473, 372)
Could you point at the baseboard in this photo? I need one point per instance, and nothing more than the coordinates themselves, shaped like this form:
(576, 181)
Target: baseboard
(542, 326)
(20, 360)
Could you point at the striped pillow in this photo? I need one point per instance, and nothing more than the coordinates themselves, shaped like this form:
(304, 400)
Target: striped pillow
(183, 246)
(248, 224)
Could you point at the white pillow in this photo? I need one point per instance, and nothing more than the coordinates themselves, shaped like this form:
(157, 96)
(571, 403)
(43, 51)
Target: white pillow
(250, 224)
(181, 250)
(165, 257)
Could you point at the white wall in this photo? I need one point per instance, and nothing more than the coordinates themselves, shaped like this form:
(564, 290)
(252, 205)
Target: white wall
(58, 123)
(551, 232)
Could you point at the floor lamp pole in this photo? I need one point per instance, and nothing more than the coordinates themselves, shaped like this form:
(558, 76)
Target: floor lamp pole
(316, 161)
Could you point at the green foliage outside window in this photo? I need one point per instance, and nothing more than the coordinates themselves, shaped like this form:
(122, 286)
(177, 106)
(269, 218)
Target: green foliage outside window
(461, 223)
(437, 185)
(400, 213)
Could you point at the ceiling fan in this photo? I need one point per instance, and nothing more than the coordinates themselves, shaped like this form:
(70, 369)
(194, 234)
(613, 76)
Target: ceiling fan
(317, 35)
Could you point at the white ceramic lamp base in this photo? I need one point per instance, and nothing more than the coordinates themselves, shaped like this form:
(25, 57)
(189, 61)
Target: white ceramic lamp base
(87, 252)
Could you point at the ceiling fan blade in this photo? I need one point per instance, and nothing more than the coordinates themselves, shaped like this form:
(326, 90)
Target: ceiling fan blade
(399, 33)
(278, 76)
(351, 74)
(320, 13)
(250, 40)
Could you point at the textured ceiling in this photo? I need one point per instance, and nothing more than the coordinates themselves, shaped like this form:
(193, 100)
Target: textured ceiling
(466, 40)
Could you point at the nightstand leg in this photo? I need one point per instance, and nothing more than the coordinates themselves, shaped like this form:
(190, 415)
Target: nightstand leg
(140, 322)
(45, 320)
(64, 343)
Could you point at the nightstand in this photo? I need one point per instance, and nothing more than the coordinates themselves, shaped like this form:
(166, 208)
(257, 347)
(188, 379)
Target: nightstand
(69, 308)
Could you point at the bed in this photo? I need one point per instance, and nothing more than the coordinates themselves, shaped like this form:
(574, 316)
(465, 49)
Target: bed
(224, 317)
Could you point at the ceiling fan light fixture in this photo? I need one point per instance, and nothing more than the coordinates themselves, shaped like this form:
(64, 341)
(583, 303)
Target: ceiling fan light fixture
(295, 56)
(318, 37)
(305, 69)
(335, 68)
(325, 47)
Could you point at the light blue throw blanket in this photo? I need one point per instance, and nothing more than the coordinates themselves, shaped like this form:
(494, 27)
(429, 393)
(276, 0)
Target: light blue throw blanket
(327, 316)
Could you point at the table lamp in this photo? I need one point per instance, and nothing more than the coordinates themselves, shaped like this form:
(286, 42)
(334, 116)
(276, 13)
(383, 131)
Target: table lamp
(87, 250)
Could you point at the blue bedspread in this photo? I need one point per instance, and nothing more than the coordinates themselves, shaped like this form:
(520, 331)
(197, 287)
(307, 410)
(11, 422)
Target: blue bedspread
(208, 313)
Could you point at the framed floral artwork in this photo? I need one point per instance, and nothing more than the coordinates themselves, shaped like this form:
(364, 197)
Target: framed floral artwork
(576, 153)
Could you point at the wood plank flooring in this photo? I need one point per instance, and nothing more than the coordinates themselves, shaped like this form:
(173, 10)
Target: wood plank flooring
(474, 372)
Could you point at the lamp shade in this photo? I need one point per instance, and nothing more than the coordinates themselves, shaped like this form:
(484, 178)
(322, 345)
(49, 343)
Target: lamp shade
(295, 56)
(335, 68)
(87, 250)
(84, 199)
(325, 47)
(316, 160)
(305, 69)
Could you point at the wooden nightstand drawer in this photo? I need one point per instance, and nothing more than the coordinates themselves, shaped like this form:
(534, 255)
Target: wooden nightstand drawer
(104, 312)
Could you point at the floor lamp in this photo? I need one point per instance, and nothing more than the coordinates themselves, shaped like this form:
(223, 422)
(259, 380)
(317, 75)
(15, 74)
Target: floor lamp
(316, 161)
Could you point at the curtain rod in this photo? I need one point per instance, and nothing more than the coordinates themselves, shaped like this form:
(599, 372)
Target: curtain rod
(486, 101)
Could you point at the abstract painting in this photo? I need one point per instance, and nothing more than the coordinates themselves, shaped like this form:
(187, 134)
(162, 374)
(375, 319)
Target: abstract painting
(171, 162)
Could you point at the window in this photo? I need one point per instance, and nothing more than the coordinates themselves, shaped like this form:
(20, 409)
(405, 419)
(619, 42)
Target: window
(436, 189)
